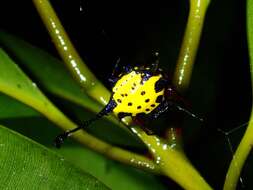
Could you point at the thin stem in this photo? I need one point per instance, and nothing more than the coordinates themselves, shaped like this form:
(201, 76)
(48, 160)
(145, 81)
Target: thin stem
(172, 162)
(188, 50)
(68, 53)
(189, 47)
(190, 44)
(239, 158)
(70, 56)
(185, 174)
(116, 153)
(246, 143)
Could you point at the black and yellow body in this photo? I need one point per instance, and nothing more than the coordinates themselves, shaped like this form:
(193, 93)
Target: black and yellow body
(136, 91)
(135, 94)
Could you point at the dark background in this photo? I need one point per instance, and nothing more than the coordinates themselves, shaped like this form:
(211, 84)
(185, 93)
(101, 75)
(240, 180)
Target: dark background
(106, 30)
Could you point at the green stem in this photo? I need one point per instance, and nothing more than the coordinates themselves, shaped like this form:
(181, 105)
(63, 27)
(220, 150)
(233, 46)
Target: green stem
(188, 51)
(179, 168)
(172, 162)
(246, 143)
(68, 53)
(71, 58)
(190, 44)
(239, 157)
(116, 153)
(189, 48)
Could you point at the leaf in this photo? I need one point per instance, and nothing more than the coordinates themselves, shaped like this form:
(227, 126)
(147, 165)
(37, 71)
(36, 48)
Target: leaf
(14, 109)
(48, 70)
(113, 174)
(26, 164)
(41, 65)
(16, 84)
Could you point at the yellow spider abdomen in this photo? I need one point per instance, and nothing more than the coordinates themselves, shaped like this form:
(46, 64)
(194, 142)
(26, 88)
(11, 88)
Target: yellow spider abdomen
(134, 96)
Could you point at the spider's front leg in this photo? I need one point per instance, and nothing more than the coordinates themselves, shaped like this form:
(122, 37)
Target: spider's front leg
(105, 111)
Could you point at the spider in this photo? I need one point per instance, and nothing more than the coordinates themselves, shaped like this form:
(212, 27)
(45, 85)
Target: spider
(138, 91)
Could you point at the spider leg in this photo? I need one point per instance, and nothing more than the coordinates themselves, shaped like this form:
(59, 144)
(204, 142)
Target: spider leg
(154, 66)
(160, 109)
(178, 103)
(114, 76)
(106, 110)
(180, 108)
(151, 67)
(139, 119)
(170, 105)
(142, 120)
(118, 69)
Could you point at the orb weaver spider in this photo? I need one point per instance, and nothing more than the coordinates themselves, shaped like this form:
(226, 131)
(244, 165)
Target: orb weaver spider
(137, 91)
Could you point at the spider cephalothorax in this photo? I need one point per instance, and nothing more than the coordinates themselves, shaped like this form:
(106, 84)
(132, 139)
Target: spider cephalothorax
(135, 91)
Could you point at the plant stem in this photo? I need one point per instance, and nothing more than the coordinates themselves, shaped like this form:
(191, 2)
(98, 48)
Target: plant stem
(188, 178)
(246, 143)
(190, 44)
(80, 72)
(189, 47)
(116, 153)
(188, 50)
(172, 162)
(68, 53)
(239, 157)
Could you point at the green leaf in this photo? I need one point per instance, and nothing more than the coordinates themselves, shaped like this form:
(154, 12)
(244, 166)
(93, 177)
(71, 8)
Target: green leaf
(14, 109)
(111, 173)
(50, 74)
(26, 164)
(16, 84)
(47, 70)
